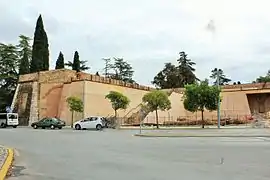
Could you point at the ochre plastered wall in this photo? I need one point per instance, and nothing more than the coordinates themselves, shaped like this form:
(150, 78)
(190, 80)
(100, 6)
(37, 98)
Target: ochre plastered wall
(234, 104)
(96, 104)
(56, 85)
(53, 98)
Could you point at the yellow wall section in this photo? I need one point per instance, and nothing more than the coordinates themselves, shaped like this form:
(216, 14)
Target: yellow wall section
(96, 104)
(233, 104)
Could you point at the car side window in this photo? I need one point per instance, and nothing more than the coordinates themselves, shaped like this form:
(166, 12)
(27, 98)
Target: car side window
(43, 120)
(86, 120)
(94, 118)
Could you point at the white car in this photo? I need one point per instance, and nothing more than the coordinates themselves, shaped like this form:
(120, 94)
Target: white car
(93, 122)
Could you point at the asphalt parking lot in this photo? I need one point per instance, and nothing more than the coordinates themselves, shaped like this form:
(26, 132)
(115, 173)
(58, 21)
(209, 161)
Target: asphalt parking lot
(117, 155)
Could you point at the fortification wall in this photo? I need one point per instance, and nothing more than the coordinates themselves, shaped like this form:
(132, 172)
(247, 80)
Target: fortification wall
(53, 98)
(233, 104)
(96, 104)
(53, 87)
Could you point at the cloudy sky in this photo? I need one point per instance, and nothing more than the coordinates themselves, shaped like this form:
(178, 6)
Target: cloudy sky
(229, 34)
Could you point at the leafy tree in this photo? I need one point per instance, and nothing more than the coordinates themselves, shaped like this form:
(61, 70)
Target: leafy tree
(75, 105)
(168, 78)
(222, 77)
(157, 100)
(176, 76)
(108, 66)
(60, 63)
(24, 47)
(77, 65)
(123, 70)
(198, 97)
(9, 61)
(40, 51)
(186, 69)
(24, 52)
(263, 79)
(118, 101)
(24, 64)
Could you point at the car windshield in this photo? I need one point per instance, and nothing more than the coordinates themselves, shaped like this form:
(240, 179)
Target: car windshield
(56, 120)
(12, 116)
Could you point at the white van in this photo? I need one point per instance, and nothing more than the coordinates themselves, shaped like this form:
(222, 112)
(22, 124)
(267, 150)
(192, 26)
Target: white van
(9, 119)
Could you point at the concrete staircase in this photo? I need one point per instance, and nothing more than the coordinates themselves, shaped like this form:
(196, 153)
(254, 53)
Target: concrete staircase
(139, 113)
(137, 117)
(129, 118)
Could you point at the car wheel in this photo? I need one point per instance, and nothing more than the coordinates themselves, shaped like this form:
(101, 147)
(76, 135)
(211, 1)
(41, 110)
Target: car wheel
(98, 127)
(35, 126)
(52, 126)
(60, 127)
(77, 127)
(14, 126)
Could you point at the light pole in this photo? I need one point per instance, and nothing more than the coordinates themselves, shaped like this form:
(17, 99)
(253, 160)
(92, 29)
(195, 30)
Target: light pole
(141, 121)
(218, 109)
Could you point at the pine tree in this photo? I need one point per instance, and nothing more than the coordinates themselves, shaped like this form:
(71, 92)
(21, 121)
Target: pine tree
(60, 64)
(24, 65)
(40, 51)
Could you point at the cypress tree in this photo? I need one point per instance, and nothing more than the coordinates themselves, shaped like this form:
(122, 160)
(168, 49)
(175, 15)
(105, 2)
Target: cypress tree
(40, 51)
(60, 64)
(76, 62)
(77, 65)
(24, 64)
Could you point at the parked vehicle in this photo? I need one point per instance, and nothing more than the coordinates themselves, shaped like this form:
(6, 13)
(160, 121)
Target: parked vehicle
(49, 123)
(9, 119)
(94, 122)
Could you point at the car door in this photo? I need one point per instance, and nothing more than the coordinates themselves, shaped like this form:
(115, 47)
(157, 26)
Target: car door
(47, 123)
(85, 123)
(41, 123)
(93, 122)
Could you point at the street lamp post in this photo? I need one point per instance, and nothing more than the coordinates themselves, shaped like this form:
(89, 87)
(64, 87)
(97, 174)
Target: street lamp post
(218, 109)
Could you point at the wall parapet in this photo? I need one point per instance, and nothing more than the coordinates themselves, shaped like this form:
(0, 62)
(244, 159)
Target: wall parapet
(68, 76)
(28, 78)
(246, 87)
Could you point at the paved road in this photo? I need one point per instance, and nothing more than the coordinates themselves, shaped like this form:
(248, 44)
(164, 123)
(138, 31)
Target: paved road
(117, 155)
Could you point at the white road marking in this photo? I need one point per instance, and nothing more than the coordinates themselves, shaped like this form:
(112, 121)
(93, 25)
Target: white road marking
(242, 140)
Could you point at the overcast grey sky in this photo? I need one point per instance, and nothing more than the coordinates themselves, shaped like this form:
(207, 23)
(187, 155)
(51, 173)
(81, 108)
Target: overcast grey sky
(229, 34)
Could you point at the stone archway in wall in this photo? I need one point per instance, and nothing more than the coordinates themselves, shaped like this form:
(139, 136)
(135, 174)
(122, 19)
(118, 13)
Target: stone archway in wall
(259, 102)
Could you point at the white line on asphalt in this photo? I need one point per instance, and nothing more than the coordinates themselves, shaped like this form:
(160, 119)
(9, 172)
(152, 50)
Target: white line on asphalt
(263, 138)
